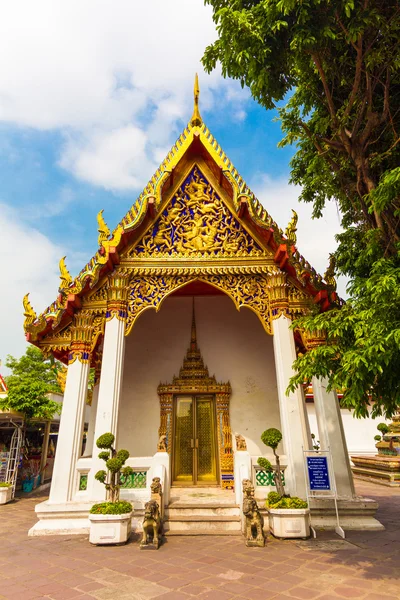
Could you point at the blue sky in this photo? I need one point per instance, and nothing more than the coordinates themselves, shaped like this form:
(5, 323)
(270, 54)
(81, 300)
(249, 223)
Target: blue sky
(92, 96)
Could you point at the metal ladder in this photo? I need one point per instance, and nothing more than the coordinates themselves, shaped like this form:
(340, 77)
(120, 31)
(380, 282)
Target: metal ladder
(14, 457)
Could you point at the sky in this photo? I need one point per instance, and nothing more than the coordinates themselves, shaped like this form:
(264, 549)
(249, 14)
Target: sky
(92, 96)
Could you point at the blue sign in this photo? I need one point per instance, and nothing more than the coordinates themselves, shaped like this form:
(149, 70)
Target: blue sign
(318, 473)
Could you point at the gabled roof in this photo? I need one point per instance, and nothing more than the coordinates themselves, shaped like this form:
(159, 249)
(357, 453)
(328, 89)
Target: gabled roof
(195, 140)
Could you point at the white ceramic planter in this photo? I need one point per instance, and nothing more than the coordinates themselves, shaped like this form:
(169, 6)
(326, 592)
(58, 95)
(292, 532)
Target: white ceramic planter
(5, 494)
(289, 522)
(110, 529)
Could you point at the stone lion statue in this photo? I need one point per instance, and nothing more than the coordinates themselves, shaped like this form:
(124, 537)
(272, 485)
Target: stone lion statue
(155, 486)
(152, 525)
(254, 519)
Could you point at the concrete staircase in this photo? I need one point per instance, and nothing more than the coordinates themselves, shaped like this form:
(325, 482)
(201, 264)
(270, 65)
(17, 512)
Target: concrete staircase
(202, 511)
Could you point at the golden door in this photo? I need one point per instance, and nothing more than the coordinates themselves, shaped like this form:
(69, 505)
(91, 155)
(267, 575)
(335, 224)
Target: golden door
(195, 444)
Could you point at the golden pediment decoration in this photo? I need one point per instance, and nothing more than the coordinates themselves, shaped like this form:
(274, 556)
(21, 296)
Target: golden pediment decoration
(197, 224)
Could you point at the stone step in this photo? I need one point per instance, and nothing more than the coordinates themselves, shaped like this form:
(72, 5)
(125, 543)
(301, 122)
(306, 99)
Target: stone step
(205, 518)
(201, 510)
(203, 532)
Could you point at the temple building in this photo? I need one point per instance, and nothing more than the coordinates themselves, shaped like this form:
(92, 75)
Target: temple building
(185, 315)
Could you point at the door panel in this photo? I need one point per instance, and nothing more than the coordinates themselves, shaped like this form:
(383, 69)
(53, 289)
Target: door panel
(205, 445)
(183, 452)
(195, 447)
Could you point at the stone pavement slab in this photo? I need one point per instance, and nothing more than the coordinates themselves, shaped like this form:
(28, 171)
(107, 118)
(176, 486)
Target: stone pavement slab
(365, 566)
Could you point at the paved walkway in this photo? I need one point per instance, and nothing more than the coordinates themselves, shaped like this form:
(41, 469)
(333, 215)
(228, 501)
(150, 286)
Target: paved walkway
(366, 566)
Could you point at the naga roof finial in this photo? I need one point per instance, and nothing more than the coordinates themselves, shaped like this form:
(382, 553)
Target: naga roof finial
(196, 119)
(29, 313)
(291, 229)
(65, 276)
(330, 272)
(104, 232)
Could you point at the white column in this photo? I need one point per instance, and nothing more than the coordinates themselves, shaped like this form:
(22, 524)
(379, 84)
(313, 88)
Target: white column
(69, 443)
(331, 436)
(92, 422)
(293, 415)
(109, 396)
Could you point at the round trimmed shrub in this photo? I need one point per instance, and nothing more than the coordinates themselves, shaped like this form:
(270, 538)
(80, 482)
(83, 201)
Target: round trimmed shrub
(122, 455)
(264, 464)
(377, 438)
(383, 428)
(104, 455)
(114, 464)
(101, 476)
(105, 441)
(271, 437)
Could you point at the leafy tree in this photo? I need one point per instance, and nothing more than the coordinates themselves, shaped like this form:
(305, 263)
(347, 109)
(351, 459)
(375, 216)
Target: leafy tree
(335, 64)
(32, 378)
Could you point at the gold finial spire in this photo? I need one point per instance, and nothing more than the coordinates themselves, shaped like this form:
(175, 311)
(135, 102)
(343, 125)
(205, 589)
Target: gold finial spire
(291, 229)
(193, 336)
(196, 119)
(330, 272)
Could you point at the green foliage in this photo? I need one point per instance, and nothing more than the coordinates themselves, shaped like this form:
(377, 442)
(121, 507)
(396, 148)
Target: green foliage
(287, 502)
(111, 508)
(114, 464)
(101, 476)
(5, 484)
(383, 428)
(123, 455)
(104, 455)
(377, 438)
(127, 471)
(105, 441)
(271, 437)
(32, 378)
(265, 464)
(362, 354)
(273, 498)
(331, 70)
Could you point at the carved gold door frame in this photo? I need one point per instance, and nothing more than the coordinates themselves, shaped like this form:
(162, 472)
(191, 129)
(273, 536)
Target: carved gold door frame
(194, 444)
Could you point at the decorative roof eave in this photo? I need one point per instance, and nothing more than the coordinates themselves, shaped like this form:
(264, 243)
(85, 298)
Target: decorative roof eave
(147, 204)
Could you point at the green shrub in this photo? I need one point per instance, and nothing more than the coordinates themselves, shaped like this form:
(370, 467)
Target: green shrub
(377, 438)
(5, 484)
(271, 437)
(265, 464)
(111, 508)
(286, 502)
(383, 428)
(105, 441)
(123, 455)
(104, 455)
(116, 473)
(273, 498)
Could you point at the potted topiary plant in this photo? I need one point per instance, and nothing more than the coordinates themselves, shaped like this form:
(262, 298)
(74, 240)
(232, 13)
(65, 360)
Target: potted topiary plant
(5, 492)
(110, 521)
(289, 517)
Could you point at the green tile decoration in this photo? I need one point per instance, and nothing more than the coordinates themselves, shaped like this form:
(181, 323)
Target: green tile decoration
(136, 480)
(83, 482)
(264, 478)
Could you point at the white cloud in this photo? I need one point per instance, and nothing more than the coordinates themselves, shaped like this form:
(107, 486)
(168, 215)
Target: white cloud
(315, 237)
(28, 263)
(115, 77)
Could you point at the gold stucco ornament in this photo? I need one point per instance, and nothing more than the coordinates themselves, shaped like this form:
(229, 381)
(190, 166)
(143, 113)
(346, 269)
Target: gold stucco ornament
(29, 313)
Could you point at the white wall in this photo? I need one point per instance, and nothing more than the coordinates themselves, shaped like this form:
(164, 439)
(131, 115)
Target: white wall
(359, 432)
(234, 346)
